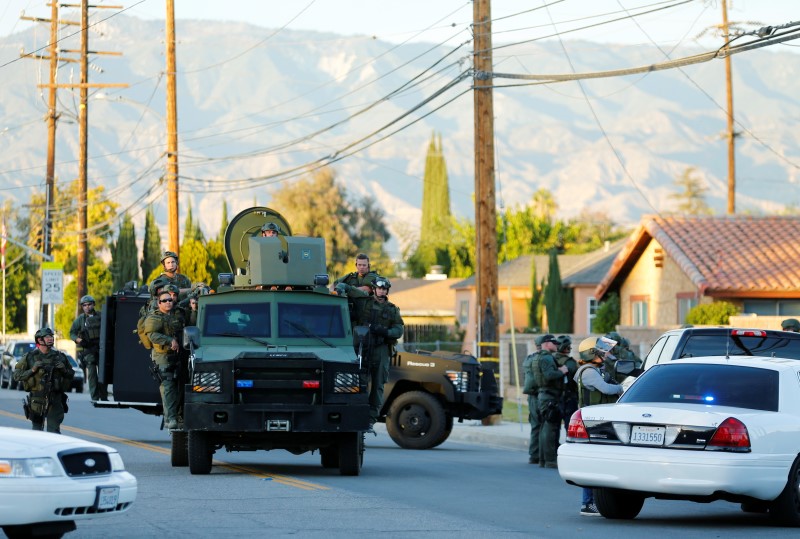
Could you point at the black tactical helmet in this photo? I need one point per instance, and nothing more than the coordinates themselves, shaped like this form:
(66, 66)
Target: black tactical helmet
(382, 282)
(790, 324)
(564, 343)
(87, 299)
(271, 226)
(158, 282)
(168, 254)
(42, 333)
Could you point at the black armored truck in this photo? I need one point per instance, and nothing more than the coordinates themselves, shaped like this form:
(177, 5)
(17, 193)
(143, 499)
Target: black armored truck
(272, 363)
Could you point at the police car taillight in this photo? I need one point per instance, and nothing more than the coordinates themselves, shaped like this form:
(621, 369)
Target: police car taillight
(748, 333)
(576, 431)
(731, 435)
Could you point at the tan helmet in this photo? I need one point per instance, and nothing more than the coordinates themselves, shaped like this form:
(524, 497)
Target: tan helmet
(169, 254)
(587, 349)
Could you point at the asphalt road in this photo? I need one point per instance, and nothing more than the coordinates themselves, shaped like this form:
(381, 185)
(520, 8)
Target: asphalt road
(461, 489)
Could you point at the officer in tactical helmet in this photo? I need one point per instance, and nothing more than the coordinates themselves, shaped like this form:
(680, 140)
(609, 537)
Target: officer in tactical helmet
(163, 327)
(569, 399)
(46, 374)
(386, 326)
(362, 278)
(85, 331)
(550, 379)
(531, 389)
(791, 324)
(270, 230)
(593, 389)
(169, 260)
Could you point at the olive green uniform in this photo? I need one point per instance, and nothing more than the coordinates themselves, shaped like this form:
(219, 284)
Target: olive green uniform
(180, 280)
(569, 399)
(532, 390)
(87, 328)
(550, 392)
(357, 302)
(57, 366)
(161, 329)
(386, 326)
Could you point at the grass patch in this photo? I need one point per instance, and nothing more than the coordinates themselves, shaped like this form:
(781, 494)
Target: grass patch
(512, 413)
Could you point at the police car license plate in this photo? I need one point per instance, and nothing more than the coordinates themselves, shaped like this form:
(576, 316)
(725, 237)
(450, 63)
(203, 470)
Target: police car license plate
(645, 435)
(107, 497)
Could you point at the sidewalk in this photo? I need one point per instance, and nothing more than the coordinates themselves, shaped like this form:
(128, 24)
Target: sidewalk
(505, 435)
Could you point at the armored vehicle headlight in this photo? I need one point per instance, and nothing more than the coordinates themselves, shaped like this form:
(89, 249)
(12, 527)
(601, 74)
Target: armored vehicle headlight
(321, 279)
(225, 278)
(460, 380)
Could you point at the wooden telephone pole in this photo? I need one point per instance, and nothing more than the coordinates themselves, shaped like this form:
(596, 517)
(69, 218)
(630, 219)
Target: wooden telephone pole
(172, 134)
(731, 134)
(485, 213)
(55, 58)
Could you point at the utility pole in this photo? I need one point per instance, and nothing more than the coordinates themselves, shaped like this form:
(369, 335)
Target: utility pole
(485, 213)
(731, 134)
(55, 58)
(172, 134)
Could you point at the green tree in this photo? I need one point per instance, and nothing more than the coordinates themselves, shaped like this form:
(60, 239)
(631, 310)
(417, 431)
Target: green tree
(708, 314)
(151, 248)
(124, 267)
(100, 284)
(194, 262)
(191, 228)
(691, 199)
(461, 250)
(224, 223)
(217, 262)
(370, 233)
(607, 316)
(317, 206)
(557, 299)
(535, 303)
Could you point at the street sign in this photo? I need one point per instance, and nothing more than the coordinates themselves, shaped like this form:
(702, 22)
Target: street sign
(52, 283)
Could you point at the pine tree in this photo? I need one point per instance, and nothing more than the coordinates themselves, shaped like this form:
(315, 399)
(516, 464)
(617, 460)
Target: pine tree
(536, 297)
(124, 257)
(224, 224)
(557, 299)
(151, 250)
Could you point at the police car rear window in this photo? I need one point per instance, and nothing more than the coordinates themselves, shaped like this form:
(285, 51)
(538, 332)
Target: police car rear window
(766, 346)
(710, 385)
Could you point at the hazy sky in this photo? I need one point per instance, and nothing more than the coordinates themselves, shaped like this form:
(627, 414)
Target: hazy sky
(438, 20)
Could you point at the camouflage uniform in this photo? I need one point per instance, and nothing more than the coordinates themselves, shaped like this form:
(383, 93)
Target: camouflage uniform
(36, 384)
(161, 328)
(550, 392)
(87, 328)
(531, 389)
(179, 280)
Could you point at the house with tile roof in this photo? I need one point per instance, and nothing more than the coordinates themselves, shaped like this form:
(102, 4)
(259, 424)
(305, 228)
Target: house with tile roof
(671, 264)
(581, 273)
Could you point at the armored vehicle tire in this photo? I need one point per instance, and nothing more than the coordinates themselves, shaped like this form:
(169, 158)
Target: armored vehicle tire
(618, 504)
(200, 453)
(351, 453)
(180, 448)
(448, 428)
(329, 456)
(417, 420)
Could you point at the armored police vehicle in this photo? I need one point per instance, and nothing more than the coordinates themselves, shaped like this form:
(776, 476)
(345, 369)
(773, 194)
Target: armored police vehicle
(271, 362)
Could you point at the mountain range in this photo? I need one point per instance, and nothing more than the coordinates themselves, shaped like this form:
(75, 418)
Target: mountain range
(254, 103)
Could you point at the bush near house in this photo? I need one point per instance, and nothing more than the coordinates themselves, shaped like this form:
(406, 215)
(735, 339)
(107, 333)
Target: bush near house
(710, 314)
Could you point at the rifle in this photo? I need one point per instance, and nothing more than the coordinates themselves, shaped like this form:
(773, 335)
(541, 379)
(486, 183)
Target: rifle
(155, 373)
(47, 380)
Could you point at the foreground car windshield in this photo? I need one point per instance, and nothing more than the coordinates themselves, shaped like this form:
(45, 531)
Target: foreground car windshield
(715, 385)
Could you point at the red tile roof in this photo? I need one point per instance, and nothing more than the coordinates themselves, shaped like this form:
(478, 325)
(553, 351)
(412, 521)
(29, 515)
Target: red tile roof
(738, 256)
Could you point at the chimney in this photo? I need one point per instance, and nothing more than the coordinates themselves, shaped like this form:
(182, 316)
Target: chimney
(436, 274)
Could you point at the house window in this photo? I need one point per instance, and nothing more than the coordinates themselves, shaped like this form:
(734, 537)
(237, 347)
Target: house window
(639, 310)
(591, 309)
(685, 304)
(768, 307)
(463, 312)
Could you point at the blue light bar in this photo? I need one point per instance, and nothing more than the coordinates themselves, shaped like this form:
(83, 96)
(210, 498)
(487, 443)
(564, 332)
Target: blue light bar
(244, 383)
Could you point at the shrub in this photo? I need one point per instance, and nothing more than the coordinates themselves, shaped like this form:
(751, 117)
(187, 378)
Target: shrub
(711, 314)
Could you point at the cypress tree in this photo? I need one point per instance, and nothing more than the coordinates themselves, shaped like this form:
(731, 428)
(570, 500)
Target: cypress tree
(123, 259)
(151, 249)
(557, 299)
(224, 225)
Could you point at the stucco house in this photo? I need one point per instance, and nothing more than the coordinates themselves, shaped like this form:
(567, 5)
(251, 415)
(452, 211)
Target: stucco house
(671, 264)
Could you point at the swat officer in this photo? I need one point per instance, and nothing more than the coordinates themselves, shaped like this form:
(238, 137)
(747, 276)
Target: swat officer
(169, 261)
(791, 324)
(85, 331)
(551, 388)
(385, 327)
(531, 389)
(163, 327)
(362, 278)
(270, 230)
(45, 373)
(569, 399)
(593, 389)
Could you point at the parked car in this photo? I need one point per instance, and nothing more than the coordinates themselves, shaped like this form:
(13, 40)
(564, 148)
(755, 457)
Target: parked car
(78, 380)
(698, 429)
(13, 352)
(48, 481)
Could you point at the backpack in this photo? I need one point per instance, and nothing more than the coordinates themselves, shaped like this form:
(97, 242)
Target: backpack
(531, 365)
(144, 340)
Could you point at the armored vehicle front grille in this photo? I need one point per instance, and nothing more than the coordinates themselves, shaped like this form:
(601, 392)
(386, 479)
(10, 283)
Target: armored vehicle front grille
(286, 382)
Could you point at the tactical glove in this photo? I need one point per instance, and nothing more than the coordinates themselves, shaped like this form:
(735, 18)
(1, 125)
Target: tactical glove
(379, 330)
(342, 289)
(38, 365)
(60, 366)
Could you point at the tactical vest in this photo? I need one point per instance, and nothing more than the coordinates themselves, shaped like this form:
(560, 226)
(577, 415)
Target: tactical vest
(588, 397)
(169, 324)
(530, 387)
(37, 384)
(91, 325)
